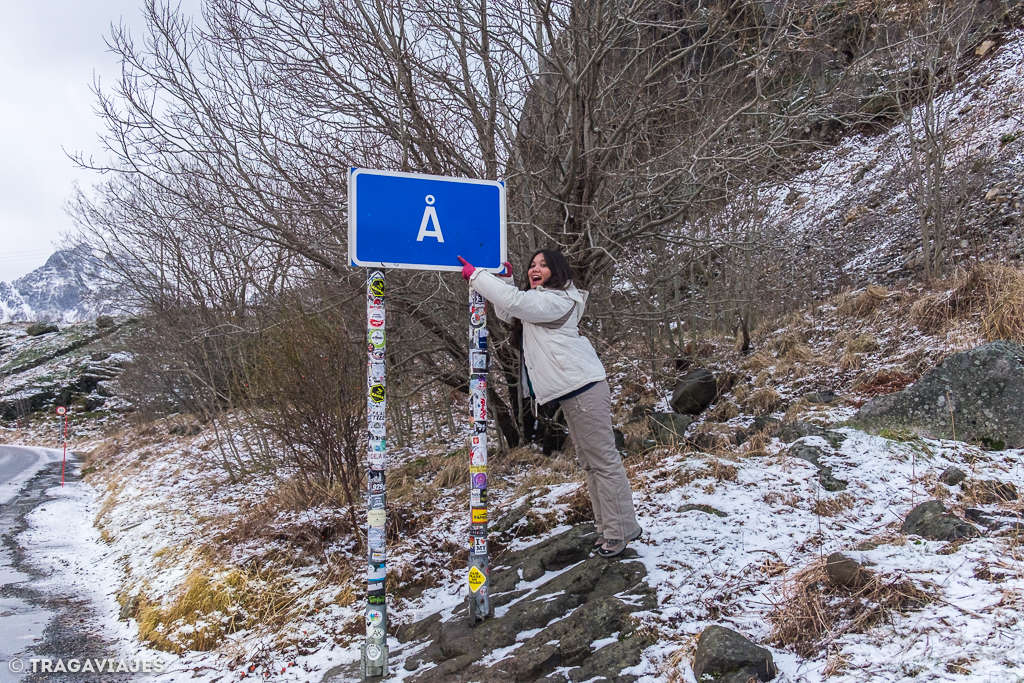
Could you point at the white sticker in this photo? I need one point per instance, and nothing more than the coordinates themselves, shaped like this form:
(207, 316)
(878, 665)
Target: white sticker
(376, 517)
(478, 450)
(372, 652)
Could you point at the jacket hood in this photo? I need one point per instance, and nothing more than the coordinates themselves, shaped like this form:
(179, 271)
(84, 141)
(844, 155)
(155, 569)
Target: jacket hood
(578, 295)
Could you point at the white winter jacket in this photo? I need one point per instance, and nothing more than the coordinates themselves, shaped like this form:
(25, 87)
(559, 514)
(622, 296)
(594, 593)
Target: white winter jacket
(558, 359)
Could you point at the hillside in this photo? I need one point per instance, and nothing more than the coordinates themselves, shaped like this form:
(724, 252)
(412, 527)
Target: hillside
(254, 578)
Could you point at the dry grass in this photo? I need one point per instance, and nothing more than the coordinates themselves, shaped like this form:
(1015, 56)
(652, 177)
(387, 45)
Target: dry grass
(635, 434)
(814, 613)
(798, 353)
(882, 381)
(763, 401)
(833, 505)
(723, 411)
(757, 445)
(851, 361)
(210, 606)
(862, 303)
(784, 344)
(790, 500)
(992, 293)
(712, 436)
(862, 343)
(758, 361)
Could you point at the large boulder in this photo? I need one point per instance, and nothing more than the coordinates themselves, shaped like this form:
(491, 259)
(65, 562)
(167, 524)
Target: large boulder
(561, 613)
(694, 392)
(930, 520)
(975, 396)
(723, 654)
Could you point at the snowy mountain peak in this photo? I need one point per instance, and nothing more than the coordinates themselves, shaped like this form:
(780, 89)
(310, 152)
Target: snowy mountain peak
(68, 288)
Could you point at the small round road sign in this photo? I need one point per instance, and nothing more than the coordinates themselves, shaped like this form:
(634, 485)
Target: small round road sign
(61, 410)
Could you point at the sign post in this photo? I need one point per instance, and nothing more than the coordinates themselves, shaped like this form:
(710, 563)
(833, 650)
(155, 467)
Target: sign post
(422, 222)
(479, 565)
(375, 649)
(63, 413)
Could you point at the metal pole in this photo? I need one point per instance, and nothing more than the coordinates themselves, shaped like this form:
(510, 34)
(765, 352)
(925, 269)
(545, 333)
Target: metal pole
(479, 569)
(375, 648)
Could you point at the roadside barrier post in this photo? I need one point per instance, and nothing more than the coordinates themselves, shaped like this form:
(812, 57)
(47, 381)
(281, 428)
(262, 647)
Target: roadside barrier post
(63, 413)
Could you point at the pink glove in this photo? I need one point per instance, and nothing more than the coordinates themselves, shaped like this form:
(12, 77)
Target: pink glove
(467, 269)
(508, 270)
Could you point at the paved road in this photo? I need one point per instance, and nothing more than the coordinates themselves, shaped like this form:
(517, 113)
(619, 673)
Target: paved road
(35, 622)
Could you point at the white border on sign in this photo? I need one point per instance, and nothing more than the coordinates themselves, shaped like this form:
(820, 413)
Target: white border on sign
(353, 172)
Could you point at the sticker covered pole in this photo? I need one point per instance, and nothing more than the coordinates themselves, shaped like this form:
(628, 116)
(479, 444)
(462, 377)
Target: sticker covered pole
(375, 648)
(479, 569)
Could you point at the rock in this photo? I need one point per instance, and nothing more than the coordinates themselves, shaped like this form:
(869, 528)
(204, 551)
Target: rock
(951, 476)
(694, 392)
(36, 329)
(791, 431)
(846, 572)
(723, 654)
(700, 507)
(99, 355)
(972, 396)
(821, 397)
(930, 520)
(620, 439)
(588, 602)
(985, 46)
(813, 453)
(668, 428)
(104, 321)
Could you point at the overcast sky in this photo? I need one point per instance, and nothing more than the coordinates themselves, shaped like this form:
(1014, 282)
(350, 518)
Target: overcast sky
(49, 54)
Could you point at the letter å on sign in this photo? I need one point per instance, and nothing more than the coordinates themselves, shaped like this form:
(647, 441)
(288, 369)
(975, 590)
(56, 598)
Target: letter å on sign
(424, 222)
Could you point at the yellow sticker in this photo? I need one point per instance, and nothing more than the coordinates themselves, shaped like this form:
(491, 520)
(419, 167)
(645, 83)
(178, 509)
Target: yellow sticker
(476, 579)
(479, 515)
(478, 469)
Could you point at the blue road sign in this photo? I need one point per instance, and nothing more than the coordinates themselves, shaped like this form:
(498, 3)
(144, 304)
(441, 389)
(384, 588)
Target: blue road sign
(412, 220)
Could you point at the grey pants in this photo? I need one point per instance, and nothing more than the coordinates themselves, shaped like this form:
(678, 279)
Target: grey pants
(589, 418)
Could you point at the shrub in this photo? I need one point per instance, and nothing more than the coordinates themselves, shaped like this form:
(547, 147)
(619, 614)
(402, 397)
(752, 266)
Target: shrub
(860, 304)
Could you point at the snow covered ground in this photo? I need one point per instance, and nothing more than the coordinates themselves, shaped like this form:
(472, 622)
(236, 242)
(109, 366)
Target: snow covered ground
(706, 569)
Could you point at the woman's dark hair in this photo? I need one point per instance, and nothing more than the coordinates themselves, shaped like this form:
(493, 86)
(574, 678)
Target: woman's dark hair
(561, 273)
(561, 276)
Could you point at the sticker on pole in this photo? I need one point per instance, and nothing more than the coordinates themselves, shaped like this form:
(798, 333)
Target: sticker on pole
(61, 410)
(476, 579)
(424, 222)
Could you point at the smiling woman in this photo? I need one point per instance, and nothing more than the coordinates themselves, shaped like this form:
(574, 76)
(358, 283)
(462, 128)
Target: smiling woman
(562, 368)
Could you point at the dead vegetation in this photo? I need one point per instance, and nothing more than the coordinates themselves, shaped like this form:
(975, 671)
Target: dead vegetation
(862, 303)
(991, 293)
(814, 612)
(211, 605)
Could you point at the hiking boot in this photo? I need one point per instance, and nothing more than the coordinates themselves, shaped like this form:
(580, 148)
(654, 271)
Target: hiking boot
(614, 548)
